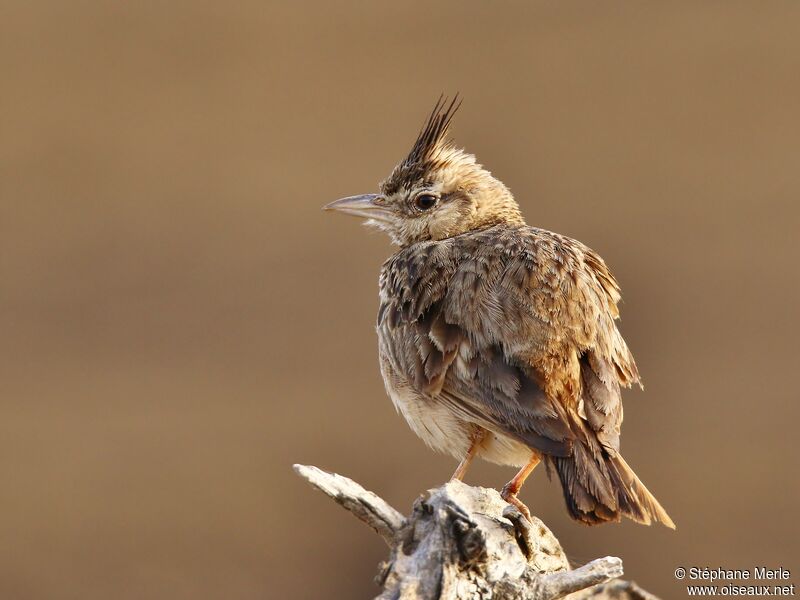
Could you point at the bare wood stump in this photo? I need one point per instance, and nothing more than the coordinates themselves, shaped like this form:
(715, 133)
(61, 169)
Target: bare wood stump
(467, 543)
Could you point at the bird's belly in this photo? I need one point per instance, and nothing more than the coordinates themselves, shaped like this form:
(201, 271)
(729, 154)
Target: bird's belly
(443, 431)
(503, 450)
(432, 421)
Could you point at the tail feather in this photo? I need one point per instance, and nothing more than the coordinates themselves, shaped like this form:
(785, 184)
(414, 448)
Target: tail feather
(604, 489)
(635, 499)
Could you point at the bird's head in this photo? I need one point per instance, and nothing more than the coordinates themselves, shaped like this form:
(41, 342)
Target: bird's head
(436, 192)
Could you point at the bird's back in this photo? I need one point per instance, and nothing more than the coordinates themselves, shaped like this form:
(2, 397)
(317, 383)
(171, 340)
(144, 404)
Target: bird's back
(511, 328)
(531, 293)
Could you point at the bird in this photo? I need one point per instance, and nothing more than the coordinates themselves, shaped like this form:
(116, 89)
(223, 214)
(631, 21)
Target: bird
(497, 339)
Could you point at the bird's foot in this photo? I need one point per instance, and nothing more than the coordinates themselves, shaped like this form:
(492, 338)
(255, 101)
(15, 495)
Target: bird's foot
(510, 496)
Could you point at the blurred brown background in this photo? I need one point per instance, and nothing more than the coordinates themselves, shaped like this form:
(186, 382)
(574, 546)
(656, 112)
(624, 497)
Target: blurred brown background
(181, 323)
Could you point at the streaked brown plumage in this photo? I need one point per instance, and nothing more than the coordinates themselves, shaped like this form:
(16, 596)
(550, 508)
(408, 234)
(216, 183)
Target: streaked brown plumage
(497, 339)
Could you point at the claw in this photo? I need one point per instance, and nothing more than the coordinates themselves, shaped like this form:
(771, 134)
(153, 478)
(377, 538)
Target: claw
(510, 497)
(511, 489)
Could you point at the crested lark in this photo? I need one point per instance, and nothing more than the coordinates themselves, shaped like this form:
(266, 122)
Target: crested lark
(497, 339)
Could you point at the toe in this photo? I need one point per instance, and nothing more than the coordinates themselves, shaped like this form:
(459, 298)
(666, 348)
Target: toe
(512, 499)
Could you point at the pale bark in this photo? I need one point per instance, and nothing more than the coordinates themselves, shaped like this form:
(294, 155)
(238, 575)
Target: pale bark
(467, 543)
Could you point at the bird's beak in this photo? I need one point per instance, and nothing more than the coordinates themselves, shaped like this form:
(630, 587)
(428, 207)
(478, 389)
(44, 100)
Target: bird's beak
(366, 206)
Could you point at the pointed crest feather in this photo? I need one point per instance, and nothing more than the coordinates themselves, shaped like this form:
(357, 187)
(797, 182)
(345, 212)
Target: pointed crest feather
(435, 130)
(430, 150)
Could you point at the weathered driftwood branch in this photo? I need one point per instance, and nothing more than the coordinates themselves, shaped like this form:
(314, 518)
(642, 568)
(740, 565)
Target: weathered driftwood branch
(463, 542)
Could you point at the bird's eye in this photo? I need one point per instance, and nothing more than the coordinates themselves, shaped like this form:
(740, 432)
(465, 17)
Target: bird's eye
(425, 201)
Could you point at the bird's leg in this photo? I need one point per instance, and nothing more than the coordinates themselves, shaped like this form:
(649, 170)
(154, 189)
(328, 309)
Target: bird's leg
(475, 443)
(511, 489)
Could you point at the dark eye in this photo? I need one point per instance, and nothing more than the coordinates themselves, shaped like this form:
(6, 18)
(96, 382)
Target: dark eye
(425, 201)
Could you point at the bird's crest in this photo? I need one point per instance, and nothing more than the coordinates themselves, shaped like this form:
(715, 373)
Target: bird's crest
(434, 134)
(430, 149)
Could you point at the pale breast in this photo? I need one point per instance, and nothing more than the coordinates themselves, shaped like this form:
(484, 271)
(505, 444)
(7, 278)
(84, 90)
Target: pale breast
(443, 430)
(431, 420)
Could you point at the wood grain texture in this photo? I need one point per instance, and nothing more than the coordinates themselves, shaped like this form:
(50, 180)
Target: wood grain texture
(466, 543)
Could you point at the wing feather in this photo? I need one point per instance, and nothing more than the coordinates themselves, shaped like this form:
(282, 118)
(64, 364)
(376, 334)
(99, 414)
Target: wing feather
(471, 322)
